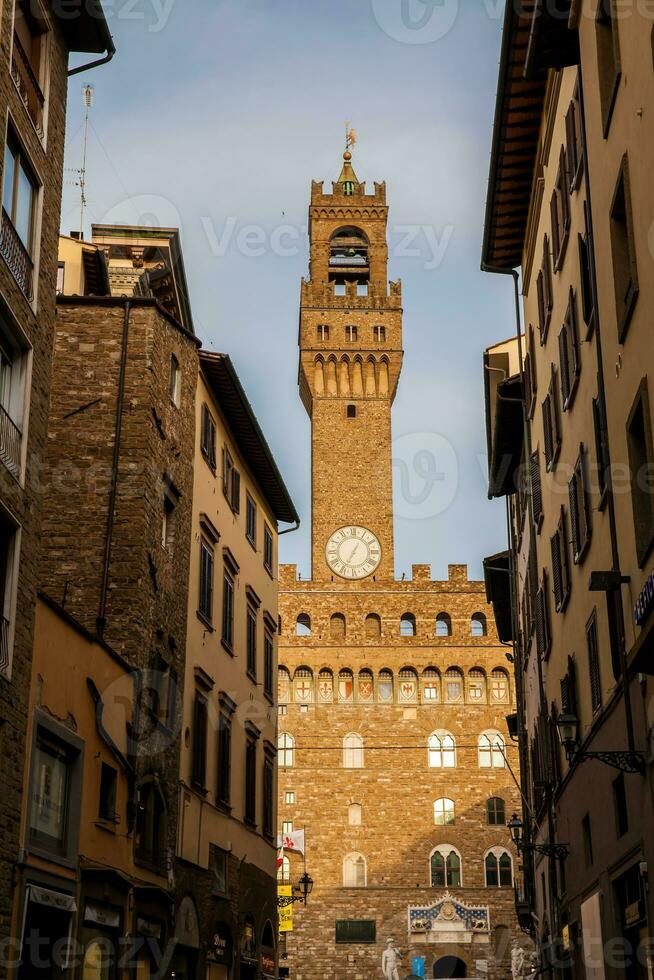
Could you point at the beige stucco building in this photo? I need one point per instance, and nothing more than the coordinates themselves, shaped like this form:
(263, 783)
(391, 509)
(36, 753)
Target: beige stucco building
(569, 428)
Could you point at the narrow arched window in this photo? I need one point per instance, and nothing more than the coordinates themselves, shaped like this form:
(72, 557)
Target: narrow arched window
(353, 752)
(445, 868)
(498, 868)
(303, 625)
(441, 751)
(354, 871)
(355, 814)
(285, 750)
(337, 626)
(373, 626)
(443, 812)
(478, 625)
(284, 871)
(491, 750)
(408, 624)
(443, 625)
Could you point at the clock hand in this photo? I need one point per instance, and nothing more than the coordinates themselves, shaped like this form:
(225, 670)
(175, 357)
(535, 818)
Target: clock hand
(353, 553)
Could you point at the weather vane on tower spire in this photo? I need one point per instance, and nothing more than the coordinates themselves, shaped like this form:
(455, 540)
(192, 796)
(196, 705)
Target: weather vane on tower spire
(350, 137)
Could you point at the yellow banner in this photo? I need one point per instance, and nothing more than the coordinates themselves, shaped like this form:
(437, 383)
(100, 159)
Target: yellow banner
(285, 907)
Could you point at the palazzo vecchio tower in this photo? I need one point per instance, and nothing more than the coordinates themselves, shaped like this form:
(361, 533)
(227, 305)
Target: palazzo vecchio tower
(394, 754)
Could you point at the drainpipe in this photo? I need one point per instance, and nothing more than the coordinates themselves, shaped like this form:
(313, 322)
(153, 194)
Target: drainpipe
(111, 50)
(551, 831)
(295, 527)
(111, 513)
(614, 597)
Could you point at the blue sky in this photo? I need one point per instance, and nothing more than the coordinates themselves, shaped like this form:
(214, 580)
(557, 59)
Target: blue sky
(216, 114)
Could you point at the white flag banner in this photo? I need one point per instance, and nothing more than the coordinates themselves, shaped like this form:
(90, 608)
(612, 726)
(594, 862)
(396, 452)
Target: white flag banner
(292, 842)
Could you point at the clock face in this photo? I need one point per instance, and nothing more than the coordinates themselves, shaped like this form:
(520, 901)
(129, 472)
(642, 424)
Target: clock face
(353, 552)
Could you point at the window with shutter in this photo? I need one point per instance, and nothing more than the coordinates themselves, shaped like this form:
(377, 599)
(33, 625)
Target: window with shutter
(623, 250)
(556, 227)
(236, 491)
(199, 757)
(594, 663)
(543, 640)
(531, 381)
(224, 760)
(574, 153)
(228, 466)
(560, 566)
(208, 437)
(587, 305)
(555, 416)
(564, 366)
(579, 509)
(544, 291)
(536, 490)
(569, 353)
(547, 431)
(600, 453)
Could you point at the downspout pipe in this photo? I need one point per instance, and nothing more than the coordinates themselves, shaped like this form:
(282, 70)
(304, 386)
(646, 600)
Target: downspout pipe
(294, 527)
(101, 621)
(111, 50)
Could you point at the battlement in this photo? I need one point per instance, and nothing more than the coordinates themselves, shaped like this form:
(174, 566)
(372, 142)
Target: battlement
(358, 196)
(322, 294)
(421, 575)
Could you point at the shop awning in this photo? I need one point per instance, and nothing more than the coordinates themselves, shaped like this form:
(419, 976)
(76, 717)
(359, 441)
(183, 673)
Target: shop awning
(497, 576)
(52, 899)
(506, 454)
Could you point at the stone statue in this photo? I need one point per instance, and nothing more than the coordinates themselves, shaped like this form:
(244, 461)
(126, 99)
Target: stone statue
(523, 962)
(391, 961)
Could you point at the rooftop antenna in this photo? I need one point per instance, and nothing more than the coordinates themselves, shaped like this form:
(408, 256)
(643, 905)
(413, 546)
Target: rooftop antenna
(88, 97)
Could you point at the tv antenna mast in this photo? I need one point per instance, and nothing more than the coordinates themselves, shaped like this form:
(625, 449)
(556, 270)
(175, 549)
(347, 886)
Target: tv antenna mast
(88, 98)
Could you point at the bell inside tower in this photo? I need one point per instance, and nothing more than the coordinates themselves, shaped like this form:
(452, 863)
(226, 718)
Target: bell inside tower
(348, 260)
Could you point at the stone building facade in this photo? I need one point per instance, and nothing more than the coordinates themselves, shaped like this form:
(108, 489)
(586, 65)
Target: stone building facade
(393, 749)
(569, 423)
(35, 44)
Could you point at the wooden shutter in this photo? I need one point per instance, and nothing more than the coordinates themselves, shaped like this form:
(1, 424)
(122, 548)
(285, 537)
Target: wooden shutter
(554, 217)
(564, 365)
(536, 488)
(573, 494)
(594, 664)
(199, 740)
(587, 308)
(236, 491)
(571, 145)
(599, 447)
(542, 316)
(563, 193)
(547, 430)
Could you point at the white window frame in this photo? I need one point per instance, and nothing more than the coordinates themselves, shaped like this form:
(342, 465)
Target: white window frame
(353, 751)
(487, 749)
(441, 750)
(352, 860)
(441, 809)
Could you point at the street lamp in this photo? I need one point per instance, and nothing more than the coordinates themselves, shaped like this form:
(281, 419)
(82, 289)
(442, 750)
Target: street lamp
(306, 886)
(625, 760)
(516, 827)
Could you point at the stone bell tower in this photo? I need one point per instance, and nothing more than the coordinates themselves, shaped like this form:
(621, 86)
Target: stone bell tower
(350, 361)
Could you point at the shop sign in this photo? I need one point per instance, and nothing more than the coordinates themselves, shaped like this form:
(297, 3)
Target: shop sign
(632, 914)
(565, 939)
(645, 601)
(148, 928)
(221, 946)
(102, 915)
(268, 964)
(285, 907)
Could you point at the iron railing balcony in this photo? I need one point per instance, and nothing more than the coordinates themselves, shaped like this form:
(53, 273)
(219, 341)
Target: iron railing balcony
(27, 85)
(16, 256)
(10, 443)
(4, 645)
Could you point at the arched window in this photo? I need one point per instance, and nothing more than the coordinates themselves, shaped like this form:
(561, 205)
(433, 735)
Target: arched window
(478, 624)
(408, 686)
(303, 625)
(285, 750)
(491, 750)
(477, 686)
(354, 871)
(249, 940)
(443, 625)
(283, 685)
(175, 380)
(373, 626)
(445, 867)
(337, 626)
(284, 871)
(353, 752)
(345, 686)
(431, 686)
(453, 685)
(408, 624)
(355, 814)
(441, 751)
(499, 868)
(365, 692)
(325, 686)
(385, 687)
(500, 688)
(495, 811)
(303, 685)
(443, 812)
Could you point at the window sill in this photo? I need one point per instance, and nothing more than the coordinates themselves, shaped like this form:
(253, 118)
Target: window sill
(628, 311)
(252, 542)
(224, 807)
(269, 571)
(206, 622)
(208, 461)
(251, 824)
(607, 110)
(229, 649)
(268, 695)
(252, 677)
(109, 826)
(563, 247)
(199, 788)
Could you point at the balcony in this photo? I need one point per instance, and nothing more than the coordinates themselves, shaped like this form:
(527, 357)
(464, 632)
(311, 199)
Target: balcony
(10, 441)
(4, 645)
(16, 256)
(27, 85)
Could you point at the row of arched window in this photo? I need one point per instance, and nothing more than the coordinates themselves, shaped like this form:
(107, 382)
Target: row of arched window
(431, 687)
(445, 868)
(477, 625)
(441, 750)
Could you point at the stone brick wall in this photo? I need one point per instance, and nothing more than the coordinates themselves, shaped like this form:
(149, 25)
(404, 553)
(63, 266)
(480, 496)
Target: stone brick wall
(146, 606)
(396, 788)
(23, 500)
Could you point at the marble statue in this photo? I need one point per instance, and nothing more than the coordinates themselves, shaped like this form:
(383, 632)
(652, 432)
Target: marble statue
(523, 962)
(391, 961)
